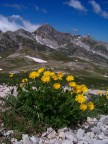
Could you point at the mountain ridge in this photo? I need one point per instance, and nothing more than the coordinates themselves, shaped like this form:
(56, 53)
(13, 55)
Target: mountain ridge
(55, 47)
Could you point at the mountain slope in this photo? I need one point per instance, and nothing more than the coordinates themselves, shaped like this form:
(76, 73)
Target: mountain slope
(62, 51)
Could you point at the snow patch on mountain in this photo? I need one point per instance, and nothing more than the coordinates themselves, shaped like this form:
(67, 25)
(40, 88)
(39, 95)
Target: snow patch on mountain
(38, 40)
(36, 59)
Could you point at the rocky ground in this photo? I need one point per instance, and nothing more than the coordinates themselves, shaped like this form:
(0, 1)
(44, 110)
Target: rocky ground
(93, 131)
(5, 90)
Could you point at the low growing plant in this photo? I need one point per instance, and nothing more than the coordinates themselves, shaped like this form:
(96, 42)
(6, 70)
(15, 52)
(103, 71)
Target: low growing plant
(101, 103)
(52, 99)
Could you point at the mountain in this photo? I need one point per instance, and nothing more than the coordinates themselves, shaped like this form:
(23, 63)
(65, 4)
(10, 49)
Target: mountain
(48, 36)
(80, 54)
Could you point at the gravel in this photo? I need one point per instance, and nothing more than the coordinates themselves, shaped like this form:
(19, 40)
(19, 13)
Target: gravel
(97, 133)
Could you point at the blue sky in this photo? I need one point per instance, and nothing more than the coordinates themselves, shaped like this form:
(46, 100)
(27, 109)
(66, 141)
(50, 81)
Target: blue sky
(72, 16)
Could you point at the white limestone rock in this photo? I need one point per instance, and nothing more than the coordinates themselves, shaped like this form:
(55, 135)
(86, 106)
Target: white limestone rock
(52, 134)
(26, 139)
(34, 140)
(91, 135)
(49, 130)
(71, 136)
(101, 136)
(62, 135)
(67, 142)
(96, 130)
(82, 142)
(80, 133)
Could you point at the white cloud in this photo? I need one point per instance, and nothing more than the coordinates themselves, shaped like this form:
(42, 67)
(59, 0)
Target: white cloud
(76, 4)
(98, 10)
(6, 25)
(16, 17)
(15, 6)
(16, 22)
(96, 7)
(29, 26)
(37, 8)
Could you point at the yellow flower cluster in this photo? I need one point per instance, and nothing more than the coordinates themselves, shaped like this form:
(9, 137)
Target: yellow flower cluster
(49, 76)
(56, 86)
(34, 75)
(84, 106)
(53, 75)
(80, 99)
(80, 89)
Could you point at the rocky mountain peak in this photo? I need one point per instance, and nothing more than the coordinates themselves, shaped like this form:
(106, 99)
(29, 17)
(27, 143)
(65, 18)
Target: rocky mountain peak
(24, 34)
(19, 31)
(45, 28)
(49, 36)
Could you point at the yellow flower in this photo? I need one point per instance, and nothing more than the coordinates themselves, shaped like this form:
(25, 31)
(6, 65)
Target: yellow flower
(84, 89)
(60, 74)
(90, 106)
(55, 77)
(83, 107)
(47, 73)
(11, 75)
(69, 78)
(106, 96)
(52, 74)
(59, 78)
(24, 80)
(34, 75)
(56, 86)
(80, 89)
(77, 89)
(45, 79)
(72, 84)
(80, 98)
(40, 70)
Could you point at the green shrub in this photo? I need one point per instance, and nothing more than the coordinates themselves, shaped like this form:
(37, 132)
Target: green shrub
(101, 103)
(43, 99)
